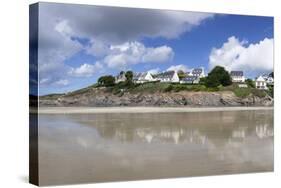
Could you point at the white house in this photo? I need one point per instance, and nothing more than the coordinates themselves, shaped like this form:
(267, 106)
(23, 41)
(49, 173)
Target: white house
(190, 80)
(237, 76)
(268, 78)
(120, 77)
(261, 83)
(143, 77)
(198, 72)
(169, 76)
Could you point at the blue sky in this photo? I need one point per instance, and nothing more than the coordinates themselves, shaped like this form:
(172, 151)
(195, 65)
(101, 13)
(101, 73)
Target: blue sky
(74, 51)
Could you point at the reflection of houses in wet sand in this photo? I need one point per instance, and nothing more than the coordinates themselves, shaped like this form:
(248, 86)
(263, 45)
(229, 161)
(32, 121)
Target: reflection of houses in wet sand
(264, 131)
(238, 135)
(121, 135)
(171, 135)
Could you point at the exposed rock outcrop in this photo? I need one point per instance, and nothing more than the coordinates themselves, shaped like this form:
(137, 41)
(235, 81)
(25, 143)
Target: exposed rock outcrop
(98, 97)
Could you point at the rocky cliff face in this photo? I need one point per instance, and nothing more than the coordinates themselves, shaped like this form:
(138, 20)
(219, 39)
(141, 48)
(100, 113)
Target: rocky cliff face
(98, 97)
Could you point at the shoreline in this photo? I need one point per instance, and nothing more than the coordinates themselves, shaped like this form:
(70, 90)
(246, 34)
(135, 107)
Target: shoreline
(104, 110)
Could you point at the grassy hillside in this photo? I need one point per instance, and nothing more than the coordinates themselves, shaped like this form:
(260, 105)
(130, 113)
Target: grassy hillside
(154, 87)
(160, 87)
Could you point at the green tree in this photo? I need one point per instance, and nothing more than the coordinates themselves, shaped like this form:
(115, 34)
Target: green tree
(129, 76)
(271, 91)
(250, 83)
(181, 74)
(107, 80)
(218, 76)
(202, 81)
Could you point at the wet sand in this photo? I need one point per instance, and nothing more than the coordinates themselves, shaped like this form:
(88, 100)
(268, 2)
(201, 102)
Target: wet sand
(100, 147)
(98, 110)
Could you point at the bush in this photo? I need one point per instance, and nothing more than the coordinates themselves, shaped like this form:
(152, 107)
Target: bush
(106, 81)
(242, 92)
(250, 83)
(169, 88)
(270, 91)
(179, 87)
(258, 93)
(129, 76)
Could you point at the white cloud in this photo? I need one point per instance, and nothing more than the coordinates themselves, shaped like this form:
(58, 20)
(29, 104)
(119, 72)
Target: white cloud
(55, 46)
(131, 53)
(105, 27)
(86, 70)
(62, 82)
(158, 54)
(178, 67)
(63, 28)
(97, 48)
(43, 81)
(113, 24)
(239, 55)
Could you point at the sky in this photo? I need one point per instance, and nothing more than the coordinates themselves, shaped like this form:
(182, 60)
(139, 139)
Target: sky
(80, 43)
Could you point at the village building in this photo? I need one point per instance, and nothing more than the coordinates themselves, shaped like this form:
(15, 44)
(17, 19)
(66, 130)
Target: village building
(190, 80)
(268, 78)
(260, 83)
(237, 76)
(188, 73)
(143, 77)
(199, 72)
(120, 77)
(169, 76)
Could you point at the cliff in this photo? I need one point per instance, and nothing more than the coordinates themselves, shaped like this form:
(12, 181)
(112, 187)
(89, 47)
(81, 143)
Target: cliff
(102, 97)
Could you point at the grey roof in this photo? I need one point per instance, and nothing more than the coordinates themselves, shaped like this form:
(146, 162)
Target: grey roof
(190, 78)
(197, 71)
(236, 73)
(168, 74)
(139, 76)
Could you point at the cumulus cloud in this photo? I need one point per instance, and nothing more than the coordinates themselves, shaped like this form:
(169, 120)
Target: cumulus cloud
(97, 48)
(115, 24)
(130, 53)
(178, 67)
(55, 46)
(159, 54)
(86, 70)
(240, 55)
(112, 34)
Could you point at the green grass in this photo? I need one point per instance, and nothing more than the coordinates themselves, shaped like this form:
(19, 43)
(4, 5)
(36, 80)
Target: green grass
(151, 87)
(167, 87)
(259, 93)
(242, 92)
(154, 87)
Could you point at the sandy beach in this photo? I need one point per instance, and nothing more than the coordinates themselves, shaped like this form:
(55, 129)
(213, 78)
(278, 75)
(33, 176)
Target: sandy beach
(94, 110)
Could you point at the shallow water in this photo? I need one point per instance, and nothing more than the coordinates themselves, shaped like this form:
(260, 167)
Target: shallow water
(81, 148)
